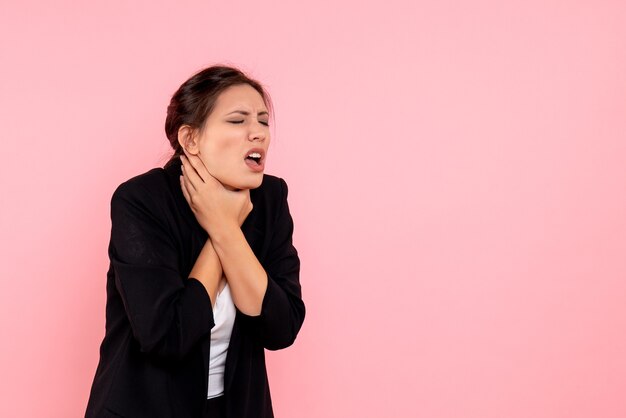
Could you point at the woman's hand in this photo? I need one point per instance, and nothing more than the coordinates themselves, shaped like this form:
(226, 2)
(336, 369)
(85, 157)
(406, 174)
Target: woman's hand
(216, 208)
(221, 212)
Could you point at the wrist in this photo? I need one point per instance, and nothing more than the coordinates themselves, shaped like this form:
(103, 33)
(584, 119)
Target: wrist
(222, 232)
(230, 240)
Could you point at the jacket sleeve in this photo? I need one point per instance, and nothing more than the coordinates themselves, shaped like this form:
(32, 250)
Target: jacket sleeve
(168, 313)
(282, 310)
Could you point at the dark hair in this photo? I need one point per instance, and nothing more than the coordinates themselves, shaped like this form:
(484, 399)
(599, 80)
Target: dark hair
(195, 98)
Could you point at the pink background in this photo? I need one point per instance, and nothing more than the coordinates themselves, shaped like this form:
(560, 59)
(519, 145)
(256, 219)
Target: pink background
(457, 177)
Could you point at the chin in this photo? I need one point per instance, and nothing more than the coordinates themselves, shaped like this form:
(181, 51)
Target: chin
(252, 183)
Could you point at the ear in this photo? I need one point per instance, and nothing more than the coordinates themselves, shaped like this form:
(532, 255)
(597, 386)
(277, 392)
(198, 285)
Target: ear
(188, 139)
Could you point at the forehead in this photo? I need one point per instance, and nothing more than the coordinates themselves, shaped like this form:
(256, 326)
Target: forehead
(241, 96)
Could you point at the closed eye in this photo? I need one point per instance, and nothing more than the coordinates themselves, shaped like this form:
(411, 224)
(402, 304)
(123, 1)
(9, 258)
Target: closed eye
(237, 122)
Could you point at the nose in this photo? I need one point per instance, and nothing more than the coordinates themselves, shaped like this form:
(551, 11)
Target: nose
(257, 133)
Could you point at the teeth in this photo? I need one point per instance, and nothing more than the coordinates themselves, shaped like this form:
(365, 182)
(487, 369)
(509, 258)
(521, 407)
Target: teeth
(254, 155)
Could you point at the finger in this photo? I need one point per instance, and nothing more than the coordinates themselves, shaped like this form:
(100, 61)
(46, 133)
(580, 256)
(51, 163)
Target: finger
(190, 174)
(189, 186)
(183, 186)
(211, 180)
(185, 180)
(197, 165)
(207, 178)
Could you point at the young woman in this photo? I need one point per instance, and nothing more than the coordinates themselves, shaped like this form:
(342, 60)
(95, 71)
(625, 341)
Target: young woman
(203, 274)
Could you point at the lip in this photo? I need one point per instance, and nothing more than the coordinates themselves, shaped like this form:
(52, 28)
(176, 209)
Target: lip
(251, 165)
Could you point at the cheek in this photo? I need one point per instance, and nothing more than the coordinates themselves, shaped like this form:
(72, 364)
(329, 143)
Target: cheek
(221, 155)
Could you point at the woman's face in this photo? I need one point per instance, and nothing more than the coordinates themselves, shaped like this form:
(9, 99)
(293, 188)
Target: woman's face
(236, 133)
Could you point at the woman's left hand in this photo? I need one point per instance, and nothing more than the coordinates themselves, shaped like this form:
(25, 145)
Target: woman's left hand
(216, 208)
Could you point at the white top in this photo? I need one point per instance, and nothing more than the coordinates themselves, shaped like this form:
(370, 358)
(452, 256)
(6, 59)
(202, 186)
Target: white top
(224, 317)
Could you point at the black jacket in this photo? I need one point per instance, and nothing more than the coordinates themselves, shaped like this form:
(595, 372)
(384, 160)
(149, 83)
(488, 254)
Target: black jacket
(155, 353)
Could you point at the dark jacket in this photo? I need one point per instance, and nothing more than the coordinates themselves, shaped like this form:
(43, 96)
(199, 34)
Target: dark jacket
(155, 353)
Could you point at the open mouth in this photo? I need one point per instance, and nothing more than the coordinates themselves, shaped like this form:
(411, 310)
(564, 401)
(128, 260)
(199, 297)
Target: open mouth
(255, 158)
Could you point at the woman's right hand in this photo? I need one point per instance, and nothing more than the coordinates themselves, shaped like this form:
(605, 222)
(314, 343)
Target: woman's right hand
(216, 208)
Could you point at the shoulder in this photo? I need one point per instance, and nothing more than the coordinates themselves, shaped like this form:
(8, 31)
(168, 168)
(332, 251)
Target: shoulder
(145, 192)
(272, 192)
(151, 182)
(272, 185)
(270, 203)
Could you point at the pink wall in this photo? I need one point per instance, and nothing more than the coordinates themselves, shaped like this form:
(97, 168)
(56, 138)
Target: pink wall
(457, 177)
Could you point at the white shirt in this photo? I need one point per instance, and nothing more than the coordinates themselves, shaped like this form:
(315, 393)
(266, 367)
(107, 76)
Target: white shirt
(224, 317)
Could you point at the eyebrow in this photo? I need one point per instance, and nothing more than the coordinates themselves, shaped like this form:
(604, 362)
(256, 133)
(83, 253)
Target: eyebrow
(246, 113)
